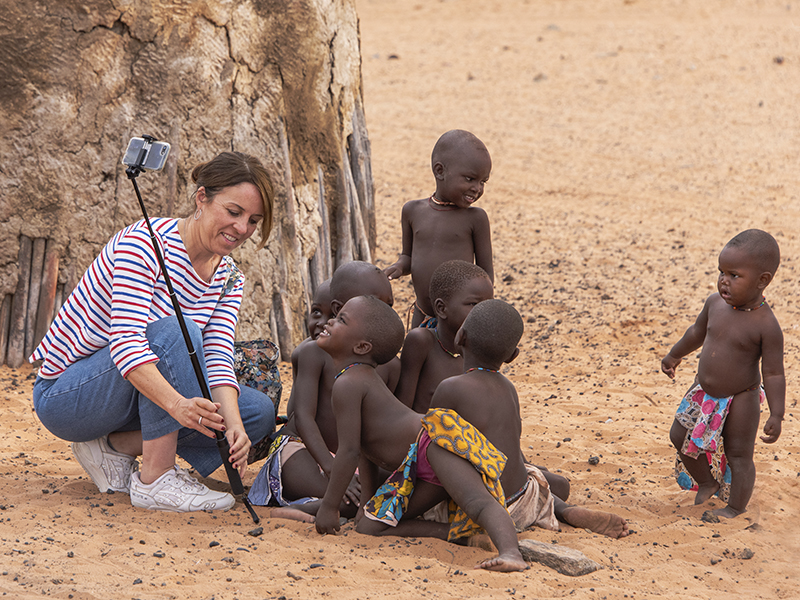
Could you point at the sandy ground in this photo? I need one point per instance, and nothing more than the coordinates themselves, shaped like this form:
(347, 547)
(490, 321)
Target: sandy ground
(631, 139)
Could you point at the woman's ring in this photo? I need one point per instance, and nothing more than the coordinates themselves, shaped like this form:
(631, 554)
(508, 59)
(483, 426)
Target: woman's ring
(200, 421)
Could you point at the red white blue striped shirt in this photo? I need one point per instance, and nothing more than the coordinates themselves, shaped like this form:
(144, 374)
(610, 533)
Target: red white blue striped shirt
(123, 291)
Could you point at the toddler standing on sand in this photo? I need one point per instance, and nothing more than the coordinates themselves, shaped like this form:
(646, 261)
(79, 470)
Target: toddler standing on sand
(446, 226)
(737, 330)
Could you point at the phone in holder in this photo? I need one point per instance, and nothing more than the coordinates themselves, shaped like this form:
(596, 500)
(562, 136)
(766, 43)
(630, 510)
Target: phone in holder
(146, 153)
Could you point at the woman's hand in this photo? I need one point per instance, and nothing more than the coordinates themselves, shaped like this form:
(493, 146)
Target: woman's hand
(199, 414)
(240, 447)
(196, 413)
(228, 399)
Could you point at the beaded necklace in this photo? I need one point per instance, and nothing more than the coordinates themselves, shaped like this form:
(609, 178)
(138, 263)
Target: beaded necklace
(453, 354)
(438, 202)
(347, 367)
(752, 308)
(481, 369)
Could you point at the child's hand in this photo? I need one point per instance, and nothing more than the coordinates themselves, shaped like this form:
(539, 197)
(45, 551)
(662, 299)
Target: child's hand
(353, 493)
(327, 520)
(400, 268)
(668, 365)
(393, 271)
(772, 430)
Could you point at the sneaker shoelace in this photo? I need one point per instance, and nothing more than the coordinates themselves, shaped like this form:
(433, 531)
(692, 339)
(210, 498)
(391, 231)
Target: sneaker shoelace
(187, 481)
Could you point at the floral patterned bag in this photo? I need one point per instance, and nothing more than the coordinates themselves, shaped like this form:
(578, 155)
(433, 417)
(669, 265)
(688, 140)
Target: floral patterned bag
(255, 362)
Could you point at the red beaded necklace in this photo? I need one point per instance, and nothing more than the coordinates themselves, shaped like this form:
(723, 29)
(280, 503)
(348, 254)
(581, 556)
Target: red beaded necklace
(752, 308)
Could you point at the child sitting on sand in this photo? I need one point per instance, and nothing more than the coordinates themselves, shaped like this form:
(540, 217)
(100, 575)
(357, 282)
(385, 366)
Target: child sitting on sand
(446, 226)
(318, 315)
(737, 329)
(488, 338)
(299, 461)
(430, 355)
(377, 430)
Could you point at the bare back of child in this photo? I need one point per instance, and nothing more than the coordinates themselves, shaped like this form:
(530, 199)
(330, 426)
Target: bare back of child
(719, 416)
(447, 225)
(430, 355)
(489, 401)
(376, 430)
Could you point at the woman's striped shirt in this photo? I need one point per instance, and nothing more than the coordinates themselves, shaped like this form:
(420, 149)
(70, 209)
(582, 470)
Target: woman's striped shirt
(123, 291)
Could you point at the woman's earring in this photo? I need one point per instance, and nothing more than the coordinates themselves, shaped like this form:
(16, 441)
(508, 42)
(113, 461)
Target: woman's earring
(197, 214)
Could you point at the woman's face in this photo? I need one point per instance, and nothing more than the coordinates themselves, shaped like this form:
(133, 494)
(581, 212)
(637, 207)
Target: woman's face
(229, 218)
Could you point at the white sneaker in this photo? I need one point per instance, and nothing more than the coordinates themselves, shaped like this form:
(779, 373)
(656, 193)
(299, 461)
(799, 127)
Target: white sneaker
(109, 469)
(177, 491)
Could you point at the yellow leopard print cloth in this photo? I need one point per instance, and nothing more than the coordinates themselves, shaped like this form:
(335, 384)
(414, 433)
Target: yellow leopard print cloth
(449, 430)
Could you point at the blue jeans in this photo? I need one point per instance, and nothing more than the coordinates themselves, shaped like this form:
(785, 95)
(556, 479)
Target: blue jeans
(90, 399)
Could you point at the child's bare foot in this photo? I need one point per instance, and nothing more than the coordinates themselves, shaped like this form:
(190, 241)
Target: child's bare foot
(705, 491)
(284, 512)
(603, 523)
(727, 512)
(504, 563)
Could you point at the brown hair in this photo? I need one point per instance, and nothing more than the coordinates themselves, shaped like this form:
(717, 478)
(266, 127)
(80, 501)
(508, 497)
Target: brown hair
(232, 168)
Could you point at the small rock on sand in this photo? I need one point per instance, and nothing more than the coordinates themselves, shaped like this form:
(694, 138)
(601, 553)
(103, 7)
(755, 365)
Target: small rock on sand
(560, 558)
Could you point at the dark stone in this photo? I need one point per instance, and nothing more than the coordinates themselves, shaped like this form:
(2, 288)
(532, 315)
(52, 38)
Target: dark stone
(709, 517)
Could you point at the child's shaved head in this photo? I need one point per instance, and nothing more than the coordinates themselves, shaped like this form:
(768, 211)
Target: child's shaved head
(450, 277)
(382, 327)
(493, 330)
(761, 246)
(454, 142)
(359, 278)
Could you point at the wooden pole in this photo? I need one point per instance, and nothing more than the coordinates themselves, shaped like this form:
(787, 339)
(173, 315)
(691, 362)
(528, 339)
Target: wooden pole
(35, 285)
(19, 306)
(344, 227)
(59, 300)
(360, 239)
(47, 294)
(358, 147)
(5, 319)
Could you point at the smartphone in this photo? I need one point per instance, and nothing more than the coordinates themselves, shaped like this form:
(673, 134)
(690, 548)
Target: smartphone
(154, 157)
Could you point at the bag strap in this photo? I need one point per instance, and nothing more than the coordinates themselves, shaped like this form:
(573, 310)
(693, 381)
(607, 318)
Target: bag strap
(232, 276)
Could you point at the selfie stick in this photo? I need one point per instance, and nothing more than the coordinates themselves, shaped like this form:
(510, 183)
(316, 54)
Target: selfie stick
(234, 478)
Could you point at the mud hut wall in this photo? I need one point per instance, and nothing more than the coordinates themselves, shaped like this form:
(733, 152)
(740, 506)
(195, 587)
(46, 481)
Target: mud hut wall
(277, 80)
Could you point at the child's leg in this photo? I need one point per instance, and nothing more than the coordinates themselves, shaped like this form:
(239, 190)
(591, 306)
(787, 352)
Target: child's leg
(698, 467)
(465, 486)
(559, 485)
(301, 477)
(739, 437)
(425, 496)
(603, 523)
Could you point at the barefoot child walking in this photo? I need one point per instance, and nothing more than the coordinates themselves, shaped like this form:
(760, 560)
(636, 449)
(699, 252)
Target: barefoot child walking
(717, 421)
(446, 225)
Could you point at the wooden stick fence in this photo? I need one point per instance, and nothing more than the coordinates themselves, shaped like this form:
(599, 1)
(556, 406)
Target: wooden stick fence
(26, 314)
